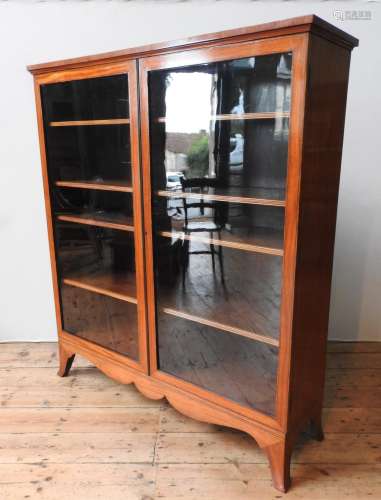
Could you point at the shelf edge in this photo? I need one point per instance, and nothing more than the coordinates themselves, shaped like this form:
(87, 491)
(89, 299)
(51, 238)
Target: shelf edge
(95, 222)
(100, 290)
(224, 243)
(93, 185)
(214, 324)
(78, 123)
(266, 115)
(218, 197)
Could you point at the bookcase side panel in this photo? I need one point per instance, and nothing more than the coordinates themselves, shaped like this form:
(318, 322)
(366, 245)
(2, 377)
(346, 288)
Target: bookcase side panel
(327, 83)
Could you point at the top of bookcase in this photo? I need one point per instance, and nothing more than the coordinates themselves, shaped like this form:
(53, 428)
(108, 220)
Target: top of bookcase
(295, 25)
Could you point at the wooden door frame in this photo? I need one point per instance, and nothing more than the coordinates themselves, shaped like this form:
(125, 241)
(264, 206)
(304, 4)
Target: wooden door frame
(298, 45)
(128, 67)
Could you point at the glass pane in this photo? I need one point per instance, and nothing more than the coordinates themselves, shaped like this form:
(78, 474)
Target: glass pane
(229, 365)
(101, 319)
(241, 290)
(241, 223)
(226, 121)
(87, 134)
(97, 257)
(89, 99)
(219, 146)
(109, 206)
(95, 154)
(87, 130)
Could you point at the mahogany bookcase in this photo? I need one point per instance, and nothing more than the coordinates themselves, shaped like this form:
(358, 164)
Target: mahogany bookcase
(191, 192)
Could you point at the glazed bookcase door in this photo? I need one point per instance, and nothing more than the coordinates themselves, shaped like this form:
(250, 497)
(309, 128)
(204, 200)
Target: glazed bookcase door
(92, 172)
(216, 127)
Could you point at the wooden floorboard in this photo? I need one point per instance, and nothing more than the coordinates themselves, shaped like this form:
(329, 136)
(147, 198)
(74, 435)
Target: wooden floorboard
(88, 437)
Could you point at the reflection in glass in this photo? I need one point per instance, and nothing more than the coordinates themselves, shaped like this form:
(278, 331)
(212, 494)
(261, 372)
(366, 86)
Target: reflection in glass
(242, 291)
(241, 224)
(232, 366)
(226, 121)
(219, 146)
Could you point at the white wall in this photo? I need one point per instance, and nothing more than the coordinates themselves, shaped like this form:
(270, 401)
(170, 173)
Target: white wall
(38, 32)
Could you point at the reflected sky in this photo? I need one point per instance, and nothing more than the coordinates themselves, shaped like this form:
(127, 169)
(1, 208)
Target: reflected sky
(181, 101)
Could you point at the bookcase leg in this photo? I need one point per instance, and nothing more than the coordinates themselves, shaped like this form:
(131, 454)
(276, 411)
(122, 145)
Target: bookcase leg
(66, 360)
(279, 455)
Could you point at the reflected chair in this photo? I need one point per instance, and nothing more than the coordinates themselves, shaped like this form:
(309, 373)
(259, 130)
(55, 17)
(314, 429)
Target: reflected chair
(201, 216)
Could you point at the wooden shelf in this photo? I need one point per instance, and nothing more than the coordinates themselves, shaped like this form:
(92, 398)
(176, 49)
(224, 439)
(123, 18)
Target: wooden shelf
(122, 287)
(221, 326)
(108, 220)
(241, 116)
(77, 123)
(261, 240)
(110, 185)
(253, 196)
